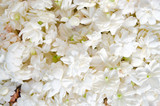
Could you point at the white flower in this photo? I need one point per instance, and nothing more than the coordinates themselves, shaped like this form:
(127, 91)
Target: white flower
(149, 44)
(124, 97)
(86, 21)
(66, 4)
(74, 21)
(125, 45)
(108, 5)
(55, 77)
(60, 47)
(149, 75)
(6, 91)
(37, 65)
(77, 59)
(4, 75)
(30, 90)
(106, 82)
(32, 31)
(81, 85)
(17, 53)
(127, 6)
(137, 58)
(64, 31)
(87, 15)
(130, 22)
(84, 3)
(41, 4)
(4, 4)
(94, 99)
(56, 71)
(148, 11)
(2, 55)
(15, 14)
(125, 68)
(11, 57)
(80, 52)
(27, 100)
(53, 89)
(94, 39)
(103, 59)
(78, 63)
(20, 7)
(97, 63)
(43, 18)
(109, 23)
(90, 98)
(50, 36)
(150, 98)
(62, 86)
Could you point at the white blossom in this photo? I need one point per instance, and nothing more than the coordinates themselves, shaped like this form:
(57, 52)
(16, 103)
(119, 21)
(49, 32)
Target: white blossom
(149, 75)
(125, 45)
(148, 11)
(80, 52)
(32, 32)
(41, 5)
(77, 59)
(106, 82)
(94, 39)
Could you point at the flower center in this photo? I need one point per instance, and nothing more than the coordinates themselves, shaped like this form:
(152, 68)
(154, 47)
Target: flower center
(106, 79)
(112, 0)
(119, 96)
(33, 52)
(84, 95)
(133, 84)
(125, 59)
(58, 2)
(148, 76)
(56, 58)
(17, 16)
(40, 22)
(72, 39)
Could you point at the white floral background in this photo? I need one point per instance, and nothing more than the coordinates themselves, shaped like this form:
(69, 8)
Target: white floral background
(80, 52)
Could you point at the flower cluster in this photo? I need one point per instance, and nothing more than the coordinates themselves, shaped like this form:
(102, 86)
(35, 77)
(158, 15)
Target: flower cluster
(80, 52)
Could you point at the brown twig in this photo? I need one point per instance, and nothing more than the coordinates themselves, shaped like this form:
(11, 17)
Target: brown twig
(15, 96)
(105, 101)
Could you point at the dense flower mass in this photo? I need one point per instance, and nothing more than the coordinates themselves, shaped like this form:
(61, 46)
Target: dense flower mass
(79, 52)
